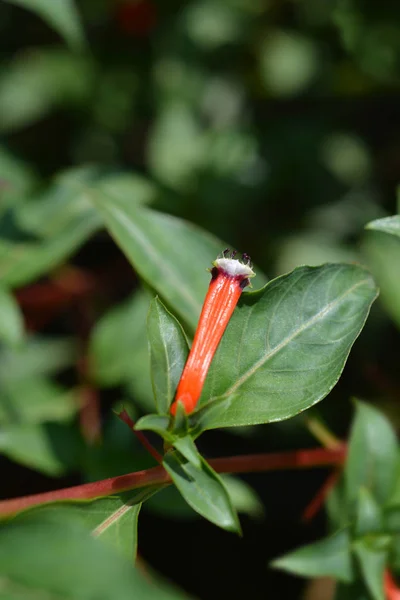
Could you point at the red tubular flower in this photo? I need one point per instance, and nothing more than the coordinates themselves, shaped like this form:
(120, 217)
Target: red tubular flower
(228, 279)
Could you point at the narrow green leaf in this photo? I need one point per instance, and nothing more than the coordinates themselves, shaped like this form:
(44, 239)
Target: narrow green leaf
(47, 557)
(11, 321)
(369, 518)
(17, 180)
(373, 456)
(203, 490)
(168, 353)
(387, 225)
(354, 591)
(59, 14)
(286, 345)
(170, 254)
(328, 557)
(372, 561)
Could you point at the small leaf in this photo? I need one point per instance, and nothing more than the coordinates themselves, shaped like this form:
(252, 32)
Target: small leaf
(286, 344)
(328, 557)
(369, 514)
(11, 321)
(373, 456)
(387, 225)
(59, 14)
(203, 490)
(52, 558)
(372, 561)
(165, 252)
(168, 353)
(157, 423)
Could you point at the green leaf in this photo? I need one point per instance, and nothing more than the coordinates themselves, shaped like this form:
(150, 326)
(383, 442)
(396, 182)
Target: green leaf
(11, 321)
(112, 519)
(36, 81)
(369, 514)
(243, 496)
(328, 557)
(119, 350)
(165, 252)
(387, 225)
(186, 446)
(355, 591)
(373, 456)
(203, 490)
(32, 446)
(59, 14)
(168, 353)
(157, 423)
(383, 256)
(44, 556)
(16, 179)
(286, 345)
(34, 400)
(38, 356)
(372, 561)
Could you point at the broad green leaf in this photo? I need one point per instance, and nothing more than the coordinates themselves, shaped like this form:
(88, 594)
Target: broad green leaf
(387, 225)
(286, 345)
(372, 560)
(383, 256)
(112, 519)
(11, 320)
(46, 557)
(168, 353)
(203, 490)
(36, 81)
(170, 254)
(36, 399)
(59, 14)
(328, 557)
(369, 517)
(373, 456)
(119, 349)
(32, 446)
(38, 356)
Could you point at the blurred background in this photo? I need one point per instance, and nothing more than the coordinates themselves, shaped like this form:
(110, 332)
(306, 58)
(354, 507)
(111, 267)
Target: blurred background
(273, 124)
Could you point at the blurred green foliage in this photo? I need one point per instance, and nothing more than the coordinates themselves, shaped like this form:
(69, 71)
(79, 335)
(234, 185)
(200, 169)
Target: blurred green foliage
(274, 125)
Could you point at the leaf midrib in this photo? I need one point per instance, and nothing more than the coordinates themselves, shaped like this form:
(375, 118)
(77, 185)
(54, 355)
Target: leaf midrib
(257, 365)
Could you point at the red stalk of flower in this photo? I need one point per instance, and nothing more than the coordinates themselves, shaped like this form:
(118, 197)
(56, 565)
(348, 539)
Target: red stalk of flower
(228, 279)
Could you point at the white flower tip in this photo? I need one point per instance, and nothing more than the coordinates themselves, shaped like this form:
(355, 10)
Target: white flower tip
(234, 267)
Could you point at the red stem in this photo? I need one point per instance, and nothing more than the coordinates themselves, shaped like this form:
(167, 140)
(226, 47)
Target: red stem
(123, 415)
(316, 503)
(157, 476)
